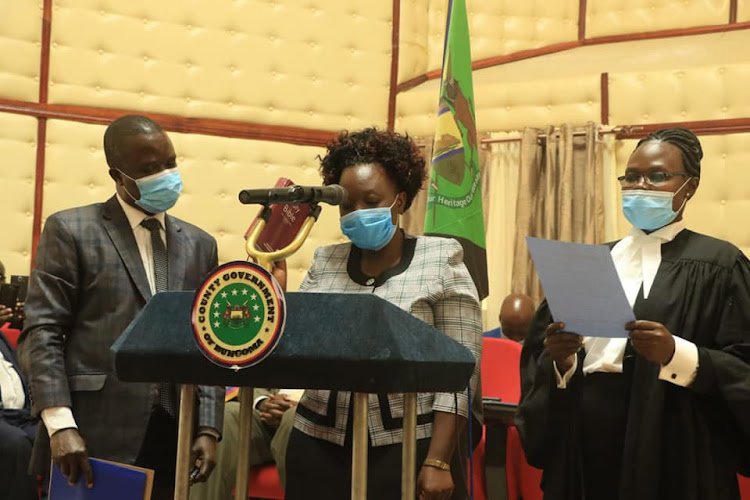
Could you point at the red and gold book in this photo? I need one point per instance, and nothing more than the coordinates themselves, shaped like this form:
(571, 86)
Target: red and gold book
(283, 225)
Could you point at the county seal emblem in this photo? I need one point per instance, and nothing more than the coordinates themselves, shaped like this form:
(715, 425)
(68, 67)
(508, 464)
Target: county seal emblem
(238, 315)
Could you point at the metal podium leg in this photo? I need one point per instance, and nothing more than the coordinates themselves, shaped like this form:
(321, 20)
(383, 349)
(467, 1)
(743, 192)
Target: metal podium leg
(409, 448)
(243, 454)
(359, 447)
(184, 441)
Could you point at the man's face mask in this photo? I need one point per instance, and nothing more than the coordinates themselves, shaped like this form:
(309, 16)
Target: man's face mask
(159, 192)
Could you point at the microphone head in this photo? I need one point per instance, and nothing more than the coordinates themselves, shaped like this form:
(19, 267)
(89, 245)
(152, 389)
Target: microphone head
(337, 194)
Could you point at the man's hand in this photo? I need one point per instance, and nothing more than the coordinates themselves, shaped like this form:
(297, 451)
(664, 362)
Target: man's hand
(6, 314)
(203, 457)
(651, 340)
(434, 484)
(562, 346)
(70, 455)
(20, 315)
(272, 409)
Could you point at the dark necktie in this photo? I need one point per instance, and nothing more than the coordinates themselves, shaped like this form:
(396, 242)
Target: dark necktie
(167, 398)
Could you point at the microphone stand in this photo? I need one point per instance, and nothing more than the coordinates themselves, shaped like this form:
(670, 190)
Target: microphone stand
(266, 260)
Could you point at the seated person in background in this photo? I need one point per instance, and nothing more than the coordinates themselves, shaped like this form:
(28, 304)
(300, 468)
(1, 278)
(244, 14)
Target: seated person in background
(425, 276)
(273, 419)
(17, 429)
(663, 413)
(10, 318)
(515, 317)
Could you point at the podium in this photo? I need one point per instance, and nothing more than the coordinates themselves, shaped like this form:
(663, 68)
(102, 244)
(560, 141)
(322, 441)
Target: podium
(348, 342)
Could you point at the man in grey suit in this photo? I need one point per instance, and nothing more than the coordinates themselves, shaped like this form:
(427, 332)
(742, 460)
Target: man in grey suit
(96, 267)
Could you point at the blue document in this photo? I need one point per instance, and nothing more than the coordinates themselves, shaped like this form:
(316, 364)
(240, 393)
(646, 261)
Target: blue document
(582, 287)
(112, 481)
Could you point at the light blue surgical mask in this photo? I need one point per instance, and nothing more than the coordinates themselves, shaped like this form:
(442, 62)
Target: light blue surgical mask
(369, 228)
(650, 210)
(159, 192)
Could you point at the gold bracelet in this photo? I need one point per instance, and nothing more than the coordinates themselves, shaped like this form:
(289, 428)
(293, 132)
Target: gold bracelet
(438, 464)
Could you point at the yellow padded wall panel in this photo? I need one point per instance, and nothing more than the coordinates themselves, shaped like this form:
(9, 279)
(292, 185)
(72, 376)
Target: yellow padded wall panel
(306, 63)
(500, 27)
(412, 44)
(20, 44)
(721, 205)
(616, 17)
(507, 106)
(18, 153)
(743, 11)
(699, 93)
(214, 169)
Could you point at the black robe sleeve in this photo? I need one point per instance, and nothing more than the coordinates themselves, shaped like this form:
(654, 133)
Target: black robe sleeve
(724, 368)
(548, 419)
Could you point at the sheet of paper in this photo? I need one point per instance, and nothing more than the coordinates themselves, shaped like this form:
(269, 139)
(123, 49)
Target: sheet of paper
(582, 288)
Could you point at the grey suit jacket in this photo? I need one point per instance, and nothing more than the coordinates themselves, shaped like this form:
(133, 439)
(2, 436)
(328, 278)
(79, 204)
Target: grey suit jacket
(87, 286)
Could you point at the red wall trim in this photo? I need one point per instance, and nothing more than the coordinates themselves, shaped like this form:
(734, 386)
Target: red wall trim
(36, 225)
(581, 19)
(604, 92)
(732, 11)
(392, 91)
(41, 129)
(44, 59)
(550, 49)
(702, 127)
(174, 123)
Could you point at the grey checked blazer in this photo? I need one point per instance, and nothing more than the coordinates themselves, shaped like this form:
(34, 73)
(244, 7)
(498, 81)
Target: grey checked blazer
(87, 286)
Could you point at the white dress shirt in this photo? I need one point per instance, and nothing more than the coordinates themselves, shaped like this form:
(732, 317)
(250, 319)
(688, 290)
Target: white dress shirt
(11, 386)
(637, 258)
(61, 417)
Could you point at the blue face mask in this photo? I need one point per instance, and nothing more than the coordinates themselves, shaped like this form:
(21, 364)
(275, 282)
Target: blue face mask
(650, 210)
(159, 192)
(369, 228)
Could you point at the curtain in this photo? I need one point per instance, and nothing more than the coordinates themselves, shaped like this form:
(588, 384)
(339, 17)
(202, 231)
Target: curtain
(560, 195)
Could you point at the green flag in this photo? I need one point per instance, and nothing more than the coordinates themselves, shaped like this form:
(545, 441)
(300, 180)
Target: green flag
(454, 197)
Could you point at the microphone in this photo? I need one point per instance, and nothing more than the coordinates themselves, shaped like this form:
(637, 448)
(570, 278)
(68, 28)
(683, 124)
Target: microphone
(333, 195)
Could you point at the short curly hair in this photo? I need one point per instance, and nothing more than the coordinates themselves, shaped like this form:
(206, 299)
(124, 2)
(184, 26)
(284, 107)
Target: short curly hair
(398, 154)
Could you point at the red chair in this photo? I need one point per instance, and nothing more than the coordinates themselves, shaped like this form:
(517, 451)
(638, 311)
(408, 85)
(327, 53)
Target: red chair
(501, 378)
(744, 487)
(263, 482)
(11, 334)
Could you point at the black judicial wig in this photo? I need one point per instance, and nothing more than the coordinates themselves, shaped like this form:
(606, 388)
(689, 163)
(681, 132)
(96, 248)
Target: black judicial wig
(686, 141)
(398, 154)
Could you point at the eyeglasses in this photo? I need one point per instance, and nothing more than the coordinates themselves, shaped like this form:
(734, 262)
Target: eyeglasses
(655, 179)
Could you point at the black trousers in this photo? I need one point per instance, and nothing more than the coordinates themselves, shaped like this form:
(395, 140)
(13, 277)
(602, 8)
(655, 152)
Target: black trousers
(604, 405)
(318, 469)
(159, 452)
(15, 455)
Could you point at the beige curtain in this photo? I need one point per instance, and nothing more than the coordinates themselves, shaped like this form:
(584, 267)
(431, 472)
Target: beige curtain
(560, 195)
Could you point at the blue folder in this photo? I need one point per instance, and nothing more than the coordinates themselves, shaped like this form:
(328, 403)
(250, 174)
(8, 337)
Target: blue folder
(112, 481)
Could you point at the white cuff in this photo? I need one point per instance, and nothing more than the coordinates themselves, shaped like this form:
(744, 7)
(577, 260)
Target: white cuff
(57, 418)
(293, 394)
(257, 401)
(683, 367)
(562, 380)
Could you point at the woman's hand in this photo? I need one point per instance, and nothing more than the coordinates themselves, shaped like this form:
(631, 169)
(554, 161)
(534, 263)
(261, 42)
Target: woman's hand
(279, 272)
(562, 346)
(434, 484)
(651, 340)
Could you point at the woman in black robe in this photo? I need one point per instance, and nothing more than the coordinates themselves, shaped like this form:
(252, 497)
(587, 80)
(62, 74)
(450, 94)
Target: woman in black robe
(637, 422)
